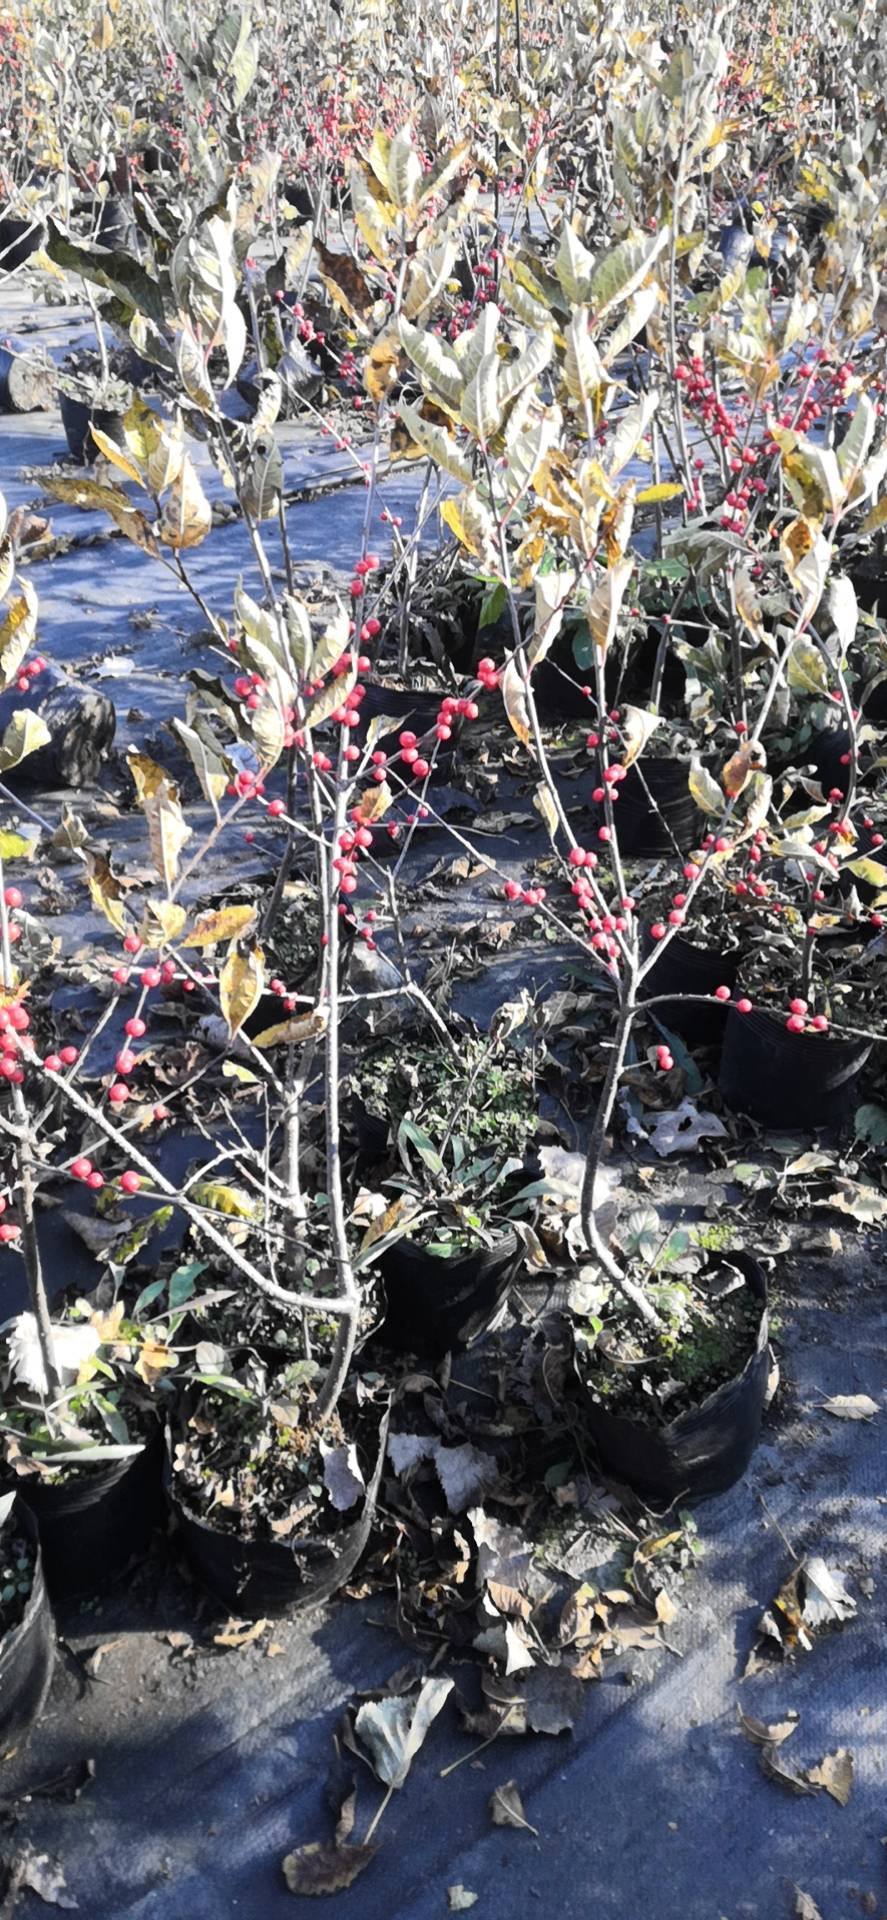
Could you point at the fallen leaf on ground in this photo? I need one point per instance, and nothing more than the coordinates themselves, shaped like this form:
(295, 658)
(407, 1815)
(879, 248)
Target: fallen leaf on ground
(805, 1908)
(240, 1633)
(794, 1778)
(851, 1406)
(316, 1869)
(392, 1731)
(342, 1476)
(811, 1598)
(835, 1774)
(681, 1129)
(766, 1734)
(460, 1899)
(506, 1808)
(41, 1876)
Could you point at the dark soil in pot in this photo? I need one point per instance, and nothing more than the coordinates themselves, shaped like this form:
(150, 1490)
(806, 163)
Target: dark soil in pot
(266, 1576)
(98, 1523)
(706, 1445)
(27, 1628)
(788, 1079)
(437, 1303)
(78, 416)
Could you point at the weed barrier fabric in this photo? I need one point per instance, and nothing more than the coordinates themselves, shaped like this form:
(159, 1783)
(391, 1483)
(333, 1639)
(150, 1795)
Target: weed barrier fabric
(94, 1527)
(436, 1303)
(27, 1654)
(272, 1579)
(788, 1079)
(704, 1450)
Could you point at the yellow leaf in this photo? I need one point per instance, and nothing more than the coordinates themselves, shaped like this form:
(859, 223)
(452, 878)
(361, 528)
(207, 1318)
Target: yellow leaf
(233, 1201)
(664, 490)
(162, 920)
(381, 368)
(17, 633)
(293, 1033)
(638, 724)
(706, 792)
(225, 923)
(187, 515)
(167, 828)
(737, 773)
(117, 456)
(240, 986)
(23, 735)
(105, 889)
(515, 701)
(373, 803)
(154, 1360)
(606, 600)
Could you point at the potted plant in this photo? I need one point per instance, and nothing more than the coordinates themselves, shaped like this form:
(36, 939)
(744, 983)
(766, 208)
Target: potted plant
(27, 1629)
(674, 1414)
(90, 394)
(459, 1120)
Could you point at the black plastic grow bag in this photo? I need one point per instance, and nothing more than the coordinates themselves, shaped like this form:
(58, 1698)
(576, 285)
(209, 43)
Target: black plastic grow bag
(78, 417)
(27, 1654)
(684, 968)
(655, 812)
(703, 1450)
(788, 1079)
(436, 1303)
(267, 1579)
(98, 1524)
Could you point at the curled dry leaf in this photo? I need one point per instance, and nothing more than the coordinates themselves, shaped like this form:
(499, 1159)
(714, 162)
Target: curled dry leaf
(316, 1869)
(805, 1908)
(835, 1774)
(393, 1730)
(851, 1406)
(768, 1734)
(460, 1898)
(506, 1808)
(342, 1476)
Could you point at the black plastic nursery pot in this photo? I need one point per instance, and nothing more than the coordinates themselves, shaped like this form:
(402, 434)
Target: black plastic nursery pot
(97, 1525)
(436, 1303)
(270, 1579)
(27, 1654)
(785, 1079)
(19, 240)
(81, 722)
(78, 417)
(703, 1450)
(415, 712)
(27, 381)
(656, 812)
(684, 968)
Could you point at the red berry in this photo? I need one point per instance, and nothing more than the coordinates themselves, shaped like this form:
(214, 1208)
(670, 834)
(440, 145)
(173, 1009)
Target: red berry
(797, 1006)
(722, 993)
(743, 1006)
(52, 1063)
(12, 896)
(95, 1180)
(118, 1094)
(8, 1231)
(658, 931)
(68, 1055)
(81, 1168)
(125, 1061)
(151, 977)
(275, 809)
(795, 1023)
(135, 1027)
(130, 1182)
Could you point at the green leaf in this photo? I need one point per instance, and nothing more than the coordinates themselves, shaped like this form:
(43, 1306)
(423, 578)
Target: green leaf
(870, 1124)
(153, 1291)
(117, 272)
(493, 605)
(408, 1132)
(181, 1285)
